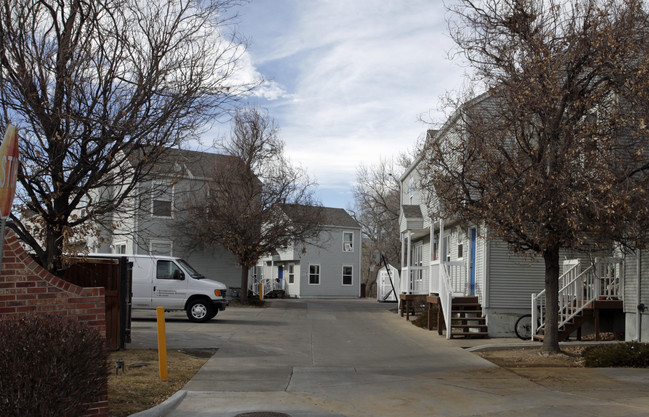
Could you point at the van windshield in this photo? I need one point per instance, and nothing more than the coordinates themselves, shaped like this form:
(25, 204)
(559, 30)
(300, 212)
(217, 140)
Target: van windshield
(187, 267)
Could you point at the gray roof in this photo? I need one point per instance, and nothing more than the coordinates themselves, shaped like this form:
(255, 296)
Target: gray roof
(412, 211)
(338, 217)
(331, 216)
(194, 163)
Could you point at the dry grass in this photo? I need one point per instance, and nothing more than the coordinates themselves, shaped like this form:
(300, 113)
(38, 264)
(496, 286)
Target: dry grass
(570, 357)
(139, 387)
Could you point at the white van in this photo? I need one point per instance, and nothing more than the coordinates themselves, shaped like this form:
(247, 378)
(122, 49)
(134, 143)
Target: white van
(170, 282)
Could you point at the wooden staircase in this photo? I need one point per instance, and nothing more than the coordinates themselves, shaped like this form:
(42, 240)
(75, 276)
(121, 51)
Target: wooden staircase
(467, 320)
(589, 313)
(569, 327)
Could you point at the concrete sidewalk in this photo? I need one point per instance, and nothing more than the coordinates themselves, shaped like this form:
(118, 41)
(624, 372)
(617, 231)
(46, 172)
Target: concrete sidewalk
(330, 358)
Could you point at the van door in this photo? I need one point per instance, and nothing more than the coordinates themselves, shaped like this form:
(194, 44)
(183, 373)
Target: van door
(169, 285)
(142, 282)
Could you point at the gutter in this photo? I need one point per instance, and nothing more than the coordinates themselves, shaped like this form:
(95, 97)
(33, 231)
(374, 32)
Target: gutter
(640, 306)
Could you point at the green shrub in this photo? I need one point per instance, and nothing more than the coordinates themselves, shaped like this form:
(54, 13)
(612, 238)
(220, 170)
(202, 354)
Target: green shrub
(50, 365)
(632, 354)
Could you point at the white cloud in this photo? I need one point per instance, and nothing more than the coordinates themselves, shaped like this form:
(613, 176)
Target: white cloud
(350, 79)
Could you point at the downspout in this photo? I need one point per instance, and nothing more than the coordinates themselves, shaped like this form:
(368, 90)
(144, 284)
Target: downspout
(408, 263)
(640, 308)
(403, 264)
(136, 214)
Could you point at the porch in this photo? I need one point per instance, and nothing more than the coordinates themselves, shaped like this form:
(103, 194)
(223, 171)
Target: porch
(447, 287)
(584, 294)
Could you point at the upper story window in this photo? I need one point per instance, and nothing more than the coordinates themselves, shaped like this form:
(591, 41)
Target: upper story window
(162, 201)
(411, 190)
(160, 247)
(348, 241)
(314, 274)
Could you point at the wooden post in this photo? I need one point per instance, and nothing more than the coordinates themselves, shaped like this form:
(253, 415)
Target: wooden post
(162, 343)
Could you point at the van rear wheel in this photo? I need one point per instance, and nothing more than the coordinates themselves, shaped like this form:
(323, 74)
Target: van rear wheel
(200, 310)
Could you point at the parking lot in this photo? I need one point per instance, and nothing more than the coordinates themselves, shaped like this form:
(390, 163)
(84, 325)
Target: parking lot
(326, 358)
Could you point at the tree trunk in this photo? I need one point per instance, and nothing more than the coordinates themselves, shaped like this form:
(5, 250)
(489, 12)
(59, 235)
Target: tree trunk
(52, 257)
(243, 297)
(551, 334)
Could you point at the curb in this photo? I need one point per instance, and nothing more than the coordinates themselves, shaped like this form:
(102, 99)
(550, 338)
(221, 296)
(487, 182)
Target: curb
(525, 345)
(163, 408)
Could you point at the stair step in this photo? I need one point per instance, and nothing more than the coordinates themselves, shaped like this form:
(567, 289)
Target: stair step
(467, 327)
(476, 335)
(465, 305)
(480, 320)
(466, 300)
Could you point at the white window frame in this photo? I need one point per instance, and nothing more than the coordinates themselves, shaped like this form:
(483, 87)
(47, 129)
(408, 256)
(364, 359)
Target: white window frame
(169, 192)
(119, 244)
(319, 273)
(348, 247)
(161, 242)
(351, 275)
(291, 273)
(460, 246)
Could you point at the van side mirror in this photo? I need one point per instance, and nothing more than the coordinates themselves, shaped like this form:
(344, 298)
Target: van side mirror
(178, 275)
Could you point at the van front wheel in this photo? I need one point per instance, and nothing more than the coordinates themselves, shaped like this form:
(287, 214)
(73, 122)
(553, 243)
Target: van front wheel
(200, 310)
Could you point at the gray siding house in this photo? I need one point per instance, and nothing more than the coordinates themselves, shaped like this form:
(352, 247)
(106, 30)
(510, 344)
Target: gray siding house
(442, 257)
(326, 267)
(636, 296)
(152, 222)
(452, 261)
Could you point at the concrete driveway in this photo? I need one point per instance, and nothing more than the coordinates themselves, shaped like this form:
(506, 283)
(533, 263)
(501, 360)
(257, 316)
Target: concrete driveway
(326, 358)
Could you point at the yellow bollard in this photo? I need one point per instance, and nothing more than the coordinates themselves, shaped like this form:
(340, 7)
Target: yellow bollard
(162, 343)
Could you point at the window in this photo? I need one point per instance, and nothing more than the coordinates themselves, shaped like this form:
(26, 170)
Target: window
(167, 270)
(160, 247)
(162, 201)
(411, 190)
(348, 241)
(314, 274)
(291, 273)
(347, 275)
(460, 246)
(119, 248)
(435, 249)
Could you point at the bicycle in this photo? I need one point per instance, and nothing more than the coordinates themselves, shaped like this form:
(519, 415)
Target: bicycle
(523, 327)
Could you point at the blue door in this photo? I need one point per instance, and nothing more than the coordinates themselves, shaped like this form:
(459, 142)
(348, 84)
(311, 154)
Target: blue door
(280, 275)
(472, 270)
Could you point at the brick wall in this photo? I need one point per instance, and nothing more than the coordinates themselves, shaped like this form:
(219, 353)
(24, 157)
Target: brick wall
(26, 287)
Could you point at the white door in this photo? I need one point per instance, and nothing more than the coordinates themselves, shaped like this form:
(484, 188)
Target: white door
(142, 282)
(169, 285)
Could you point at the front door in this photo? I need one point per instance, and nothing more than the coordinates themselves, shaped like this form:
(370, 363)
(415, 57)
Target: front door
(474, 237)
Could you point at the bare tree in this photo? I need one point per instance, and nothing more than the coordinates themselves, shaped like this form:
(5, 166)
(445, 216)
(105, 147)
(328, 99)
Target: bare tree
(554, 155)
(257, 201)
(90, 83)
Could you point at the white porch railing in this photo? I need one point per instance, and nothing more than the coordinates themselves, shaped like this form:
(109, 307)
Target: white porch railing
(266, 284)
(579, 289)
(453, 281)
(414, 280)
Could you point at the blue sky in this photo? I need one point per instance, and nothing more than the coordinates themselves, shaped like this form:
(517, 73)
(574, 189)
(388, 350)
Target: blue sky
(348, 81)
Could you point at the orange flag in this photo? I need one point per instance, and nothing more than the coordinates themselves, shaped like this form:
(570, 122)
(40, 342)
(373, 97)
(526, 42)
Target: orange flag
(8, 170)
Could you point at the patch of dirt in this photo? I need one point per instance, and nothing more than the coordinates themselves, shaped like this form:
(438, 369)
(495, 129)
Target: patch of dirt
(570, 357)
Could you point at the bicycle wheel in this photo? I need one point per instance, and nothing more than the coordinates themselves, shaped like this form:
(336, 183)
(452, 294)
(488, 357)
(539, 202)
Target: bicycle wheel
(523, 327)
